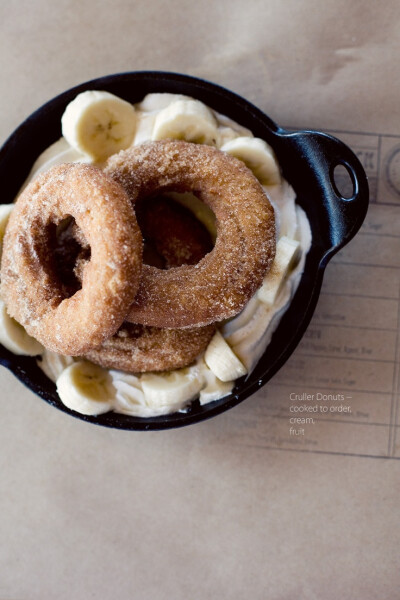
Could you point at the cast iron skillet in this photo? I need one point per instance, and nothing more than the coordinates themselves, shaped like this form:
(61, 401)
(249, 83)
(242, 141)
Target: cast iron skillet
(307, 158)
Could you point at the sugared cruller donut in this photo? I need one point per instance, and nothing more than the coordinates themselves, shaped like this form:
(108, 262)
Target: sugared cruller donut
(179, 239)
(139, 348)
(220, 285)
(30, 285)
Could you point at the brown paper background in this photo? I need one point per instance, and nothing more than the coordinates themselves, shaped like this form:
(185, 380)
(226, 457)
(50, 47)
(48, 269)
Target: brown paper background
(227, 508)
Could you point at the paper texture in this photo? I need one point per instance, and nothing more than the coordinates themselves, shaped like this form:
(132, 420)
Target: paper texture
(339, 392)
(239, 506)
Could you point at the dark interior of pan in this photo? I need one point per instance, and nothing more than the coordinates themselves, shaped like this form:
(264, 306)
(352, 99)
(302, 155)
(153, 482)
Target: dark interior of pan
(307, 159)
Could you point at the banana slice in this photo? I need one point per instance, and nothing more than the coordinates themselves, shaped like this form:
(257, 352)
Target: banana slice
(144, 127)
(168, 392)
(86, 388)
(287, 252)
(188, 120)
(214, 388)
(129, 396)
(228, 131)
(236, 130)
(14, 337)
(250, 344)
(242, 318)
(226, 134)
(156, 101)
(5, 212)
(255, 326)
(53, 364)
(220, 358)
(257, 155)
(99, 124)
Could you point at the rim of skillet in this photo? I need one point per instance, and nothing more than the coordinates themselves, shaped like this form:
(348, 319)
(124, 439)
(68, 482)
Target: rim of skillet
(43, 127)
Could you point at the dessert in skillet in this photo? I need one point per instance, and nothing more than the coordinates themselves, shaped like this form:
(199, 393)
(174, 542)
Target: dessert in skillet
(191, 317)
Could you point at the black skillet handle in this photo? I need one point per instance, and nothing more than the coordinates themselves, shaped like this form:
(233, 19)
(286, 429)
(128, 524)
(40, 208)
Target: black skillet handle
(320, 155)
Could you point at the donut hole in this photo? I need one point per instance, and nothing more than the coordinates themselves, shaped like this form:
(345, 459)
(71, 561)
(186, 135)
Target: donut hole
(70, 252)
(172, 234)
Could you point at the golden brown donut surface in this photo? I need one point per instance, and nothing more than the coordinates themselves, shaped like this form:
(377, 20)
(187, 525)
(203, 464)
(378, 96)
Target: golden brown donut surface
(178, 238)
(222, 282)
(30, 285)
(140, 348)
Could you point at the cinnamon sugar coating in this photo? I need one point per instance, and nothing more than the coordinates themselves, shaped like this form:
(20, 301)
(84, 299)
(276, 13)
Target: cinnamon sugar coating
(179, 239)
(139, 348)
(30, 285)
(222, 282)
